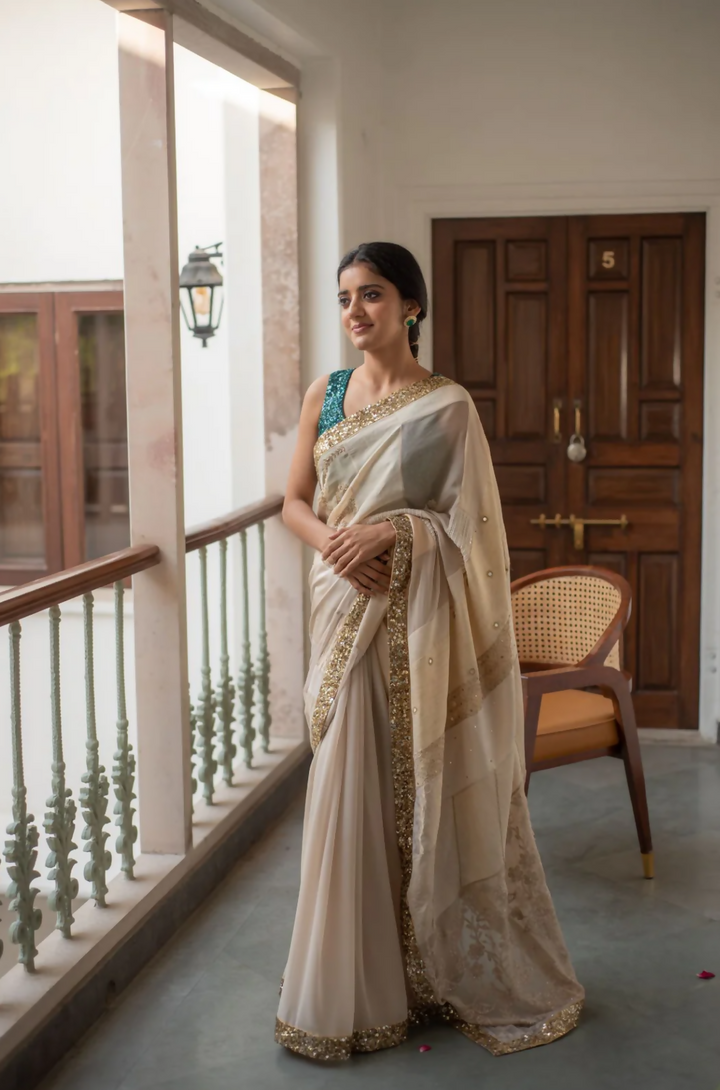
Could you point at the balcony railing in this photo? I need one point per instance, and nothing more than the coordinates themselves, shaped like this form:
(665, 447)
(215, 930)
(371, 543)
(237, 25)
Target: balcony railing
(240, 696)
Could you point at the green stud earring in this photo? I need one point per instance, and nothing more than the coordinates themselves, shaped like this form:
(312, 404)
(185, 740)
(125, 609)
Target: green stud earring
(409, 322)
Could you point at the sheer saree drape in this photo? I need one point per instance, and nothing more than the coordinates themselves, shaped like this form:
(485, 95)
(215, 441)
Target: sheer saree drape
(421, 887)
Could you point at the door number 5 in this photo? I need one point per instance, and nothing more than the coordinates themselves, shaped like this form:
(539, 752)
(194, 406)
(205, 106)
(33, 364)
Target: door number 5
(608, 259)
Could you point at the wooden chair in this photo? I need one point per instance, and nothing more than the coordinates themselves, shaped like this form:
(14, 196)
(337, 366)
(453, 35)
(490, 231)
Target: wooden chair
(568, 626)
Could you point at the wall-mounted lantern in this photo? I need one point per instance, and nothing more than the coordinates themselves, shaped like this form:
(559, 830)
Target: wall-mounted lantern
(203, 283)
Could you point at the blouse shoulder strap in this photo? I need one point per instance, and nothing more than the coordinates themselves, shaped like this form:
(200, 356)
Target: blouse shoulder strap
(332, 408)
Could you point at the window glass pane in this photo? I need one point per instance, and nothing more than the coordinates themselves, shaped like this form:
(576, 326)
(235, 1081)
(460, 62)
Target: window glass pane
(22, 529)
(101, 347)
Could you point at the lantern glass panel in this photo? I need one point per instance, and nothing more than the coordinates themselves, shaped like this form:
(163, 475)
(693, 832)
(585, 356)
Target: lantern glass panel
(202, 305)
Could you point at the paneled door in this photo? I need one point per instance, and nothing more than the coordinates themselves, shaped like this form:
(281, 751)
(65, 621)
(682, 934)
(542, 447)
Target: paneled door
(580, 340)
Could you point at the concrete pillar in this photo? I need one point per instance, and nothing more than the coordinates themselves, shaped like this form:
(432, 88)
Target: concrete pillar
(155, 428)
(282, 398)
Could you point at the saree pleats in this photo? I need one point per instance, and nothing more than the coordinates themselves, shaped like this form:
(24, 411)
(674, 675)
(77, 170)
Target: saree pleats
(422, 892)
(344, 987)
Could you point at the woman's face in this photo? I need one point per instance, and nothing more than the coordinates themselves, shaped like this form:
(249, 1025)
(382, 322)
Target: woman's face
(373, 314)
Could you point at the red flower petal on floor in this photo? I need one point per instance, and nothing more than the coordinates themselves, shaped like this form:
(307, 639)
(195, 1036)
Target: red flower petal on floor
(425, 1048)
(705, 975)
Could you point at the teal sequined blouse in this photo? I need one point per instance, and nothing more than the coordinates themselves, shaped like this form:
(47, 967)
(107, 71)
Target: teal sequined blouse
(333, 409)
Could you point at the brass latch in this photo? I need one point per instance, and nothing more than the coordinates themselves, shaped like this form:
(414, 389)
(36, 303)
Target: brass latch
(578, 525)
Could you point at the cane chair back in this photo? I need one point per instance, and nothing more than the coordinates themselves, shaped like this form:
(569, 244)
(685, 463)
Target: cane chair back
(568, 616)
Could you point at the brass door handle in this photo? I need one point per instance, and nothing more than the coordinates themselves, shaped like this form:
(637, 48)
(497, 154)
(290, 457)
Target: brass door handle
(557, 409)
(578, 525)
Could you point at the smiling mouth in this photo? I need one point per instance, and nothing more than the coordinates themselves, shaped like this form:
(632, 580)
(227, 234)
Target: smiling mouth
(360, 328)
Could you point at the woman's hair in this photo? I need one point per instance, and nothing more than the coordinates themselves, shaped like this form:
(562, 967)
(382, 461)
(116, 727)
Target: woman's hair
(396, 264)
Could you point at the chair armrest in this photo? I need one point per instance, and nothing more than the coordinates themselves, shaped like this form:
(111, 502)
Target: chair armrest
(575, 677)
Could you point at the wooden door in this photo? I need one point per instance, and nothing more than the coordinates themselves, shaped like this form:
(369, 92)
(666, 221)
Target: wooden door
(612, 343)
(499, 307)
(635, 336)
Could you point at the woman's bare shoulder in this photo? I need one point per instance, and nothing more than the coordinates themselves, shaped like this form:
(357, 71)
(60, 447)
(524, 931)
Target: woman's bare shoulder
(314, 398)
(316, 390)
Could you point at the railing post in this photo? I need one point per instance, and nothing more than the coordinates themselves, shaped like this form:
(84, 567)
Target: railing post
(94, 792)
(225, 692)
(205, 708)
(21, 850)
(262, 670)
(60, 817)
(246, 675)
(124, 766)
(155, 430)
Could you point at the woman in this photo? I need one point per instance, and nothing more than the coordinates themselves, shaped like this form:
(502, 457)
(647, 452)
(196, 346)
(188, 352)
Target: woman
(421, 890)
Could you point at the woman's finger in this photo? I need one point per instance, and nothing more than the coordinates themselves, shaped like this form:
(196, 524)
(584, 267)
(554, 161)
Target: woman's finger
(379, 582)
(338, 549)
(336, 537)
(341, 555)
(348, 562)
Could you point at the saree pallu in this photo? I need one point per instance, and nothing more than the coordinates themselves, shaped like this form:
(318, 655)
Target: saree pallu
(422, 892)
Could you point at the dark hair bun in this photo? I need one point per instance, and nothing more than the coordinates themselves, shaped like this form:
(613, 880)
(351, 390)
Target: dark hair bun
(396, 264)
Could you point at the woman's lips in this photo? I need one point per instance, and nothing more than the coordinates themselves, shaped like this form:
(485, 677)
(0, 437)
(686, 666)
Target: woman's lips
(360, 328)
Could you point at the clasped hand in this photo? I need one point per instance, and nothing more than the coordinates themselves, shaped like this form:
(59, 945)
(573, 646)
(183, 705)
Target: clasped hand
(360, 554)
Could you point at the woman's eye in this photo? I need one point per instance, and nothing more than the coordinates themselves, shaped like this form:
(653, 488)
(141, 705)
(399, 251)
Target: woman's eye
(372, 295)
(343, 302)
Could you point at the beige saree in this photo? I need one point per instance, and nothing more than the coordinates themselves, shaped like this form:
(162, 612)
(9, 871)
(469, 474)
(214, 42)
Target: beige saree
(422, 892)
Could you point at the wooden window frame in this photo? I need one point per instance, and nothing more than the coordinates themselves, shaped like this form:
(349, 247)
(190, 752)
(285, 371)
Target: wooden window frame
(68, 306)
(61, 439)
(42, 304)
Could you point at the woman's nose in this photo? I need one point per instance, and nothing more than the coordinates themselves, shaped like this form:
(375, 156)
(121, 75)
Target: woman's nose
(356, 308)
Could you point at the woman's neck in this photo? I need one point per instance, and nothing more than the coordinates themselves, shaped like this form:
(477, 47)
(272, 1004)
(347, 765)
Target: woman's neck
(385, 371)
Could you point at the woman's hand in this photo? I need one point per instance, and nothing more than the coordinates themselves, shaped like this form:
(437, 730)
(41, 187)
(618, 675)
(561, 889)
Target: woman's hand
(347, 549)
(372, 577)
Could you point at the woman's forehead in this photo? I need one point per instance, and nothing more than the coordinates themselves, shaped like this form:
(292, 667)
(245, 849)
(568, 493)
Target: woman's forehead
(361, 275)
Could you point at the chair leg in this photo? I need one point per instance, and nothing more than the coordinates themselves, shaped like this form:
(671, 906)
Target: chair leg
(632, 760)
(532, 716)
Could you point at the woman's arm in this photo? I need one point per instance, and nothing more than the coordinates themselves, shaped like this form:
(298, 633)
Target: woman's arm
(298, 514)
(368, 575)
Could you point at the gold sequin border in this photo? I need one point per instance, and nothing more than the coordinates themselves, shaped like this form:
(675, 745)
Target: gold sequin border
(316, 1047)
(401, 741)
(555, 1027)
(351, 425)
(344, 643)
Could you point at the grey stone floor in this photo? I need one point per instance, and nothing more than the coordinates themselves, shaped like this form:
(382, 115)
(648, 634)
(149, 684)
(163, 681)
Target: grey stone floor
(201, 1015)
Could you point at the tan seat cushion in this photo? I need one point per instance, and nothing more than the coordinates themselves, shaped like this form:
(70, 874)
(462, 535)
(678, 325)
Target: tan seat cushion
(574, 722)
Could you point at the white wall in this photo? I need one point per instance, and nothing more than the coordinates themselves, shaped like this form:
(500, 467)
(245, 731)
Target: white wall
(216, 119)
(475, 108)
(60, 203)
(554, 90)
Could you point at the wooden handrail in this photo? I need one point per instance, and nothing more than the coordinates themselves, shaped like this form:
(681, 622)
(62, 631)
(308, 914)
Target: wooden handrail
(51, 590)
(34, 597)
(227, 525)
